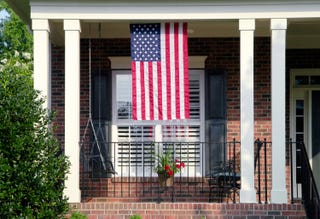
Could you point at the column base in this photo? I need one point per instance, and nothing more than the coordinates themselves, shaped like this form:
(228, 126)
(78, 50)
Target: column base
(74, 195)
(248, 196)
(279, 196)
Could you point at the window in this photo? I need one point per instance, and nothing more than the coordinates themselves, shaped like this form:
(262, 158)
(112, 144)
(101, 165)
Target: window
(305, 80)
(135, 138)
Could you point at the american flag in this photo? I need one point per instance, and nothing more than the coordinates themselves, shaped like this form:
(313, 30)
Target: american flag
(160, 78)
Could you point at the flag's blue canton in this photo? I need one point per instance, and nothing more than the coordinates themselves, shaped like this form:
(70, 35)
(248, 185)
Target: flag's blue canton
(145, 42)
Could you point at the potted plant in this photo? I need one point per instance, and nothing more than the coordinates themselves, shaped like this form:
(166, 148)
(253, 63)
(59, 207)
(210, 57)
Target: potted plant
(166, 167)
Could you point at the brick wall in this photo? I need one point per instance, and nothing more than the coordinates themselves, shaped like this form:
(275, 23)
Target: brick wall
(223, 53)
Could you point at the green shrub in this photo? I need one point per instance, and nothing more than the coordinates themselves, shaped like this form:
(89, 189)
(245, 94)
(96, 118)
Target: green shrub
(78, 215)
(32, 166)
(136, 217)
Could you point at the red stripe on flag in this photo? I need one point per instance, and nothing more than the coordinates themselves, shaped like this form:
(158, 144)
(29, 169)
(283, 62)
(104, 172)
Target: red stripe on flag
(176, 64)
(134, 91)
(143, 94)
(160, 110)
(186, 72)
(151, 96)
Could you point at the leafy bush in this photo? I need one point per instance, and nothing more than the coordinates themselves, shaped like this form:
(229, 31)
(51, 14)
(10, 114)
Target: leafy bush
(136, 217)
(78, 215)
(32, 166)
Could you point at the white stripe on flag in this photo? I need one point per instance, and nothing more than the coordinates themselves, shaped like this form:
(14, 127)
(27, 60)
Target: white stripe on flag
(155, 90)
(147, 93)
(138, 88)
(181, 72)
(172, 72)
(163, 69)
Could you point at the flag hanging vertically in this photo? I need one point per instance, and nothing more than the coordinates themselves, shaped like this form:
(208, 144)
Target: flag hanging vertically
(160, 78)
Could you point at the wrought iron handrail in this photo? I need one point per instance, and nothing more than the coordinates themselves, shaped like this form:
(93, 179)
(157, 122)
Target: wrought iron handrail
(129, 173)
(305, 178)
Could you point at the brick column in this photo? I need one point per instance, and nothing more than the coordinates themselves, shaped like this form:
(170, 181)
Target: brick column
(72, 106)
(41, 58)
(247, 192)
(278, 113)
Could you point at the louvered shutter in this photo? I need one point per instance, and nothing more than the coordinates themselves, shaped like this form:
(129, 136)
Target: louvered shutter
(215, 118)
(101, 115)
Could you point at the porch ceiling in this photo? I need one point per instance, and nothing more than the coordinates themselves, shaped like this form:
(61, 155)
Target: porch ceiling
(301, 33)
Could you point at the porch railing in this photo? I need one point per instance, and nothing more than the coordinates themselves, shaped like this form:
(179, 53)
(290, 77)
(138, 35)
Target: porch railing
(125, 171)
(303, 184)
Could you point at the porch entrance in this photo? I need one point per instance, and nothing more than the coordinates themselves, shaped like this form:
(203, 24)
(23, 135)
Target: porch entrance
(305, 115)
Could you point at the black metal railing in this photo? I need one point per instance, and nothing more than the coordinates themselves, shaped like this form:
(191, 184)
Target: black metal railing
(125, 170)
(303, 184)
(261, 168)
(224, 174)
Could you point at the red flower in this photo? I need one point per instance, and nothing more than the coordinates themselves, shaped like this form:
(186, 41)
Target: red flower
(182, 164)
(170, 172)
(178, 166)
(167, 167)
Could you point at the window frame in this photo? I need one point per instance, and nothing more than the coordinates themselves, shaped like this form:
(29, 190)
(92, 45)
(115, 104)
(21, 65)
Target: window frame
(157, 124)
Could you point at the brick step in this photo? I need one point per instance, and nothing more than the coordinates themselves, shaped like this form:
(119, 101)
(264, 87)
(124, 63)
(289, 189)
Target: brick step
(105, 208)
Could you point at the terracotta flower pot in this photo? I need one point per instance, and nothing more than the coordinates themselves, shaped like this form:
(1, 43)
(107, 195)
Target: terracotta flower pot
(165, 181)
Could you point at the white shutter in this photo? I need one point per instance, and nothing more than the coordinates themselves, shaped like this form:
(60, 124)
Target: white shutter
(134, 152)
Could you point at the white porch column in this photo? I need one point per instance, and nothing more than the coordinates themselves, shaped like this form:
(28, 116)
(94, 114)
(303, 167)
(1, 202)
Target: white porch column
(247, 192)
(72, 106)
(41, 56)
(278, 91)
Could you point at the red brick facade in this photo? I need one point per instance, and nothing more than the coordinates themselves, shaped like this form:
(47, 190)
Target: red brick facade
(223, 53)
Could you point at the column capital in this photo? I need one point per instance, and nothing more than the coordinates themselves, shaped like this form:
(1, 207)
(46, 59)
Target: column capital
(278, 24)
(72, 25)
(40, 25)
(247, 24)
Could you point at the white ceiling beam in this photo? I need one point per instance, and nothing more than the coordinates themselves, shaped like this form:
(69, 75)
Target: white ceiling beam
(172, 12)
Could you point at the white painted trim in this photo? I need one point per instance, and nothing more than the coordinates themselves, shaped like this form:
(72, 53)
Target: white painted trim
(72, 25)
(40, 24)
(247, 24)
(170, 11)
(278, 24)
(120, 62)
(125, 62)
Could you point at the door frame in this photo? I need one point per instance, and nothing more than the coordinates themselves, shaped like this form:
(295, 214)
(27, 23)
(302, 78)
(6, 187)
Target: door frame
(301, 92)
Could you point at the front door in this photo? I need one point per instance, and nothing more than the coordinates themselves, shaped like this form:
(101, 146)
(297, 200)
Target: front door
(315, 150)
(305, 116)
